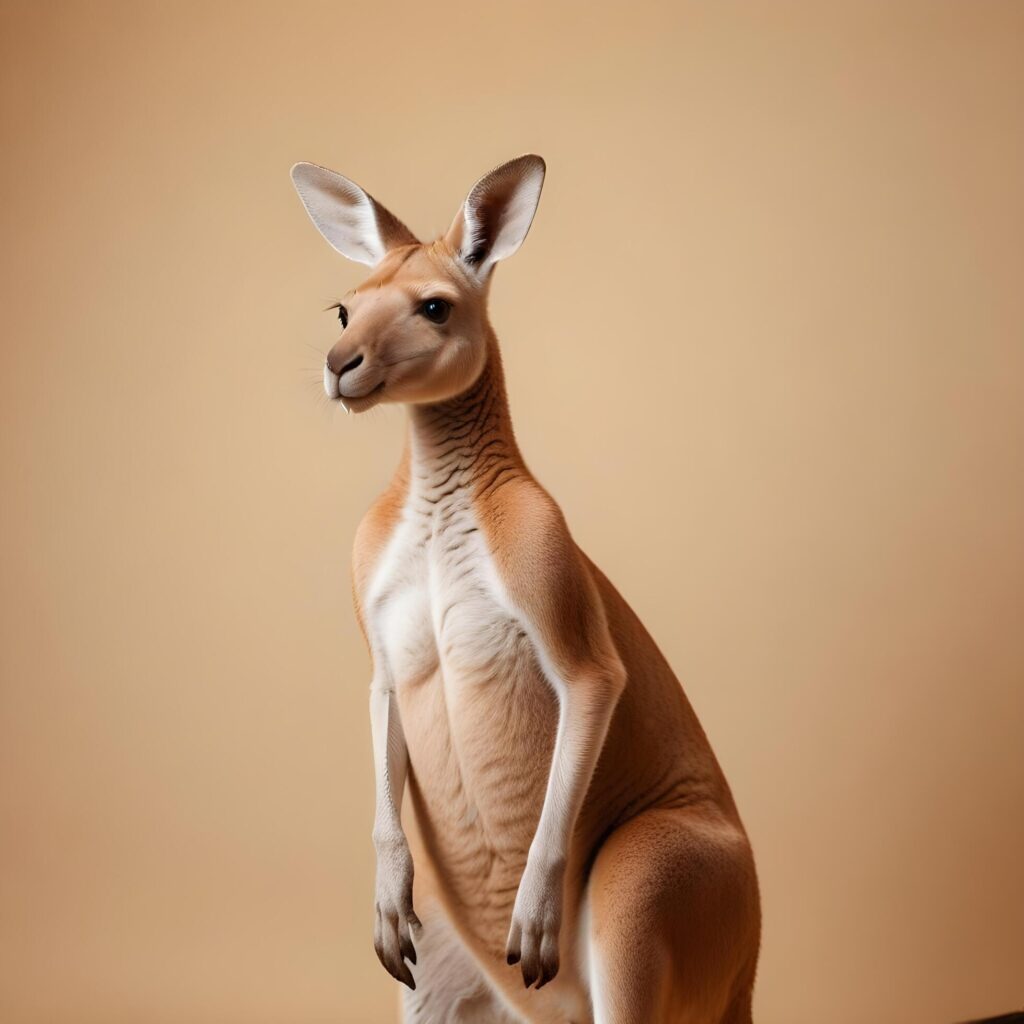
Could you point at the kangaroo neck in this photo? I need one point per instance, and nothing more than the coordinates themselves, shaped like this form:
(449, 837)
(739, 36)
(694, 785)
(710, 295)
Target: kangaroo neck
(465, 446)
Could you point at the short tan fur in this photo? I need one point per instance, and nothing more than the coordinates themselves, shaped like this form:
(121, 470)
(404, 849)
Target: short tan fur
(578, 854)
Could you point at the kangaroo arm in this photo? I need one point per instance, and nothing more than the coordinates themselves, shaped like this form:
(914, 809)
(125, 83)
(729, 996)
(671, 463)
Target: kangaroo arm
(586, 701)
(587, 694)
(551, 591)
(390, 764)
(548, 586)
(396, 921)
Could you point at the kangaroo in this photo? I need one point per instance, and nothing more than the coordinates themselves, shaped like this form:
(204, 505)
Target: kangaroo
(579, 856)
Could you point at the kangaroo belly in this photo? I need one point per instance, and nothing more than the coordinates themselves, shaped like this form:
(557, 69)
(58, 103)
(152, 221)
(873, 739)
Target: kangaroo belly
(480, 731)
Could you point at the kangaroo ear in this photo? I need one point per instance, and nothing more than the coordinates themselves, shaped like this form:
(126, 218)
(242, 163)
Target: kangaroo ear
(497, 214)
(350, 219)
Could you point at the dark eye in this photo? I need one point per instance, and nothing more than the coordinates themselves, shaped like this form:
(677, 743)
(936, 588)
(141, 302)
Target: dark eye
(342, 313)
(436, 310)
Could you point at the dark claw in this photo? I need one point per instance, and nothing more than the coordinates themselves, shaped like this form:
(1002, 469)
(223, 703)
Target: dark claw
(547, 974)
(404, 975)
(513, 958)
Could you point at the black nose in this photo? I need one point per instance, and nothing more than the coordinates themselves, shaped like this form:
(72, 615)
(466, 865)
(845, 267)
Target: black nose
(350, 365)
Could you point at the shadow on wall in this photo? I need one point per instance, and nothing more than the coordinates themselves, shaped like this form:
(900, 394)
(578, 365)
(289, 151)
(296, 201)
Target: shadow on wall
(1016, 1017)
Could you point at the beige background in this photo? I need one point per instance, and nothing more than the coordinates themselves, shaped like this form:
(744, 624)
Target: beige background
(765, 344)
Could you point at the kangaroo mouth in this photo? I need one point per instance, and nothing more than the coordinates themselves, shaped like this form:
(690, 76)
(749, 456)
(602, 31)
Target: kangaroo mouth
(360, 403)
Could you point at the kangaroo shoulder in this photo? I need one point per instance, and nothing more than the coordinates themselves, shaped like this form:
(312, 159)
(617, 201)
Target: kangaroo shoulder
(375, 530)
(546, 575)
(526, 531)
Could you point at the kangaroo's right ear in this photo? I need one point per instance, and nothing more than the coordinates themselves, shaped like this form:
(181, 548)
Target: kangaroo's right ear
(350, 219)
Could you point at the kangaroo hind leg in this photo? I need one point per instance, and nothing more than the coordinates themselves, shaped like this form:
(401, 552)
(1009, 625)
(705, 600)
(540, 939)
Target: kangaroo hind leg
(674, 921)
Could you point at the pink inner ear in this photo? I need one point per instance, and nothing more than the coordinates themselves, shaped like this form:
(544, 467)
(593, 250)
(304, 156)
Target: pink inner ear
(499, 211)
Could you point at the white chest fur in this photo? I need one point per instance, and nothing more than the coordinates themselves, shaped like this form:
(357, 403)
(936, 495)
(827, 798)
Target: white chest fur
(436, 602)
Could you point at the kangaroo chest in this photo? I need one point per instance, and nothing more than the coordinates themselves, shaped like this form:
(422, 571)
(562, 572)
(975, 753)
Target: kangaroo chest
(478, 715)
(436, 604)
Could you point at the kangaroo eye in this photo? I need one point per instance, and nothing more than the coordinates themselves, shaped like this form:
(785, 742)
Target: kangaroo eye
(343, 315)
(436, 310)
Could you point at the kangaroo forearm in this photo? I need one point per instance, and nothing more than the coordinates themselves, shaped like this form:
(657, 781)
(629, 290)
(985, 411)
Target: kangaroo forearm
(390, 758)
(585, 713)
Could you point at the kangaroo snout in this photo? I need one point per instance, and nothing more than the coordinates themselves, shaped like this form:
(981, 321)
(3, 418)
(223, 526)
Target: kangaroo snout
(340, 360)
(349, 376)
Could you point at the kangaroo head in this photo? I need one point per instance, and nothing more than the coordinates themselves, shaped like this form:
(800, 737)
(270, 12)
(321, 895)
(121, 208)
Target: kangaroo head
(416, 329)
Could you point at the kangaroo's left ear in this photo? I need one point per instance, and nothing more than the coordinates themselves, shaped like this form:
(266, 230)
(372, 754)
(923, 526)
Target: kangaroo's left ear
(497, 214)
(347, 216)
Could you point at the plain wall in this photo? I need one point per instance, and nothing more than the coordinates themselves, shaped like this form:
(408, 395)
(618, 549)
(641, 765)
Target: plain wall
(765, 344)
